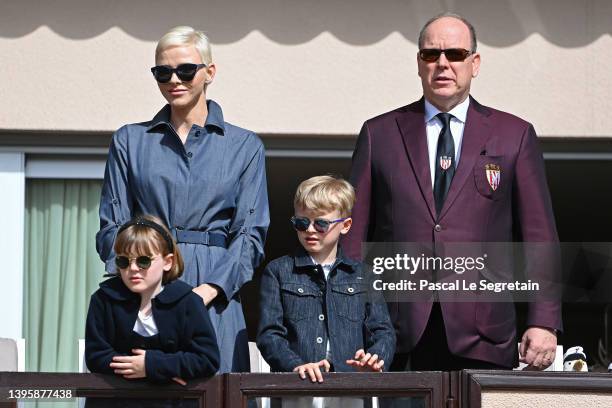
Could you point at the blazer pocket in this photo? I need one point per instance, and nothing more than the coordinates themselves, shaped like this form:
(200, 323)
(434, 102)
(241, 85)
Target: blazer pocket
(489, 173)
(300, 301)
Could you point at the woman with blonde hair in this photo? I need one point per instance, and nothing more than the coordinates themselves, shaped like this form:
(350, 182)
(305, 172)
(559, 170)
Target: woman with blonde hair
(203, 177)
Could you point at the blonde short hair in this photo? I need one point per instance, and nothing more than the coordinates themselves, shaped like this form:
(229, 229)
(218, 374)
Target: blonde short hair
(325, 193)
(185, 35)
(143, 240)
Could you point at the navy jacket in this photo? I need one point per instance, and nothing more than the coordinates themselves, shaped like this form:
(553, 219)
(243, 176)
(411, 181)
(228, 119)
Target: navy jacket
(300, 311)
(186, 336)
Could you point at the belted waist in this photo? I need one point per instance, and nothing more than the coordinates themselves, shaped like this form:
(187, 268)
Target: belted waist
(199, 237)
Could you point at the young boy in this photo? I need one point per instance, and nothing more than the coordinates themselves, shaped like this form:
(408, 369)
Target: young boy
(318, 312)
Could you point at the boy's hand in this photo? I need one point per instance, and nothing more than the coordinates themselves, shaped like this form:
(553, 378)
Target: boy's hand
(313, 370)
(130, 367)
(366, 362)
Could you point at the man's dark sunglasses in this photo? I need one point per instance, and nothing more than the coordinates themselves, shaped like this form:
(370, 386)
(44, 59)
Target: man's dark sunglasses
(143, 261)
(320, 225)
(452, 54)
(185, 72)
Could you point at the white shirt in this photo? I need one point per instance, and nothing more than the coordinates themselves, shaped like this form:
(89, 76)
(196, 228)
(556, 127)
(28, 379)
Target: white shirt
(145, 323)
(433, 127)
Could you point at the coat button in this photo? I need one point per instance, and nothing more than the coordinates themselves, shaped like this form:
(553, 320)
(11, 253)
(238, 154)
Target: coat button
(351, 290)
(321, 317)
(300, 290)
(438, 228)
(319, 340)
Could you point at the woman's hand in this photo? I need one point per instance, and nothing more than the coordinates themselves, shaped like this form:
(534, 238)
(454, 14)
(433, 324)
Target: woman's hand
(313, 370)
(366, 362)
(130, 367)
(207, 292)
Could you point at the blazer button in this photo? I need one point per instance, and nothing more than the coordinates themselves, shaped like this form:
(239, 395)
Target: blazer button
(321, 317)
(319, 340)
(438, 228)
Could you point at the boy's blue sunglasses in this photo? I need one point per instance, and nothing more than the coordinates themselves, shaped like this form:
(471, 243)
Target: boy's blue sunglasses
(320, 225)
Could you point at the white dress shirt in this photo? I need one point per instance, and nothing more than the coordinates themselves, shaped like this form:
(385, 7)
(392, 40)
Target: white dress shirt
(433, 127)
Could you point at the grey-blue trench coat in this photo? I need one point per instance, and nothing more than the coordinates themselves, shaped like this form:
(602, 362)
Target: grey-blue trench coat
(214, 184)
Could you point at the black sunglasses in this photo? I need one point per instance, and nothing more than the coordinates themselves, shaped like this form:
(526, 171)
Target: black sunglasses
(142, 261)
(452, 54)
(320, 225)
(185, 72)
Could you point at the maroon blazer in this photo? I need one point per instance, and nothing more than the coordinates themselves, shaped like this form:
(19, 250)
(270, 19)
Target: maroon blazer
(395, 203)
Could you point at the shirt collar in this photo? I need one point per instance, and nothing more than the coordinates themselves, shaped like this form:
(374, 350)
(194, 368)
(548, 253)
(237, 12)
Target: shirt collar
(459, 111)
(303, 259)
(213, 119)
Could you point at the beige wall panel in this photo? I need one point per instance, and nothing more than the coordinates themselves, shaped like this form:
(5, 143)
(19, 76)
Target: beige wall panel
(300, 67)
(497, 399)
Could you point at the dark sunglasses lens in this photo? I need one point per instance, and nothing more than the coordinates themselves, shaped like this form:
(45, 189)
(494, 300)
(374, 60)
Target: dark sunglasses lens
(321, 225)
(143, 262)
(186, 72)
(456, 54)
(162, 74)
(430, 55)
(122, 262)
(300, 223)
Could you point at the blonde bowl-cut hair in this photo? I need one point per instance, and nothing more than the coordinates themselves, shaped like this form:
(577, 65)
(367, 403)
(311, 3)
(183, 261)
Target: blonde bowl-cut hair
(325, 193)
(185, 35)
(143, 240)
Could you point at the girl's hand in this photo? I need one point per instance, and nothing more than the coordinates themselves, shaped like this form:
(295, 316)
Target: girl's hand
(366, 362)
(313, 370)
(130, 367)
(179, 381)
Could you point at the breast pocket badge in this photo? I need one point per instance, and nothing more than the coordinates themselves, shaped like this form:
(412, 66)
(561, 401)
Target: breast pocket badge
(493, 175)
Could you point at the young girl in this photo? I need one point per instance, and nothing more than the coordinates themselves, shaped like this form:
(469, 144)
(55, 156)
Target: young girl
(146, 323)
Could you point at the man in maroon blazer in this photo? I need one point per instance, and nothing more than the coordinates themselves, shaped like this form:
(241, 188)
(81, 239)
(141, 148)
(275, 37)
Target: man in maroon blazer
(448, 169)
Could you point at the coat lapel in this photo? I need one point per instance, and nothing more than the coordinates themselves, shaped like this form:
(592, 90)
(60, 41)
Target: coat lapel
(412, 128)
(475, 134)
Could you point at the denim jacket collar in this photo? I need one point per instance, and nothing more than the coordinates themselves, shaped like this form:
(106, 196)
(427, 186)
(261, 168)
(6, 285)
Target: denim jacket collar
(116, 290)
(213, 119)
(303, 259)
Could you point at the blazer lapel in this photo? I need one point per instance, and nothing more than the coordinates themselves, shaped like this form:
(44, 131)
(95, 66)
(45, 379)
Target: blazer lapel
(412, 128)
(475, 134)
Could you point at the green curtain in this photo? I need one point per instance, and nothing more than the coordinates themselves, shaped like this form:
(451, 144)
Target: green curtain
(62, 269)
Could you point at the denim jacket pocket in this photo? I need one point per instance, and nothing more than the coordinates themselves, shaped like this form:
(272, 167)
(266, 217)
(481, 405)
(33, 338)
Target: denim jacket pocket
(349, 300)
(300, 300)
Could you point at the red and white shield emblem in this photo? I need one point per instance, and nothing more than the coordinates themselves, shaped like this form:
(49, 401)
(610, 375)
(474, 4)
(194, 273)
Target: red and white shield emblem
(493, 175)
(445, 162)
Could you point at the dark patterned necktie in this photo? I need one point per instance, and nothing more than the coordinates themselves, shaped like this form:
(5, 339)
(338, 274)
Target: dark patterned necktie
(445, 161)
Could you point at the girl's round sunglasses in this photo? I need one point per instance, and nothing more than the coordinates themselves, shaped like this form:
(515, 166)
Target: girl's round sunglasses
(142, 261)
(320, 225)
(185, 72)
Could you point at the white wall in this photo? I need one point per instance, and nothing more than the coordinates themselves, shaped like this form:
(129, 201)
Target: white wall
(300, 67)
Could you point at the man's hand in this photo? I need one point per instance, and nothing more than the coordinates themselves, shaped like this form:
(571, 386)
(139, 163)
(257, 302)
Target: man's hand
(130, 367)
(313, 370)
(538, 347)
(207, 292)
(366, 362)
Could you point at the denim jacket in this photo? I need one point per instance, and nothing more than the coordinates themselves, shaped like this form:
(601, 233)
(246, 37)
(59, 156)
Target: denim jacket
(301, 311)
